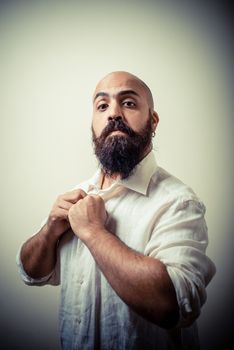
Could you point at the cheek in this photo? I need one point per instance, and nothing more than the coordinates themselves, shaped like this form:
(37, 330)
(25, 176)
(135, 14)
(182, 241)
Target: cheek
(98, 125)
(137, 121)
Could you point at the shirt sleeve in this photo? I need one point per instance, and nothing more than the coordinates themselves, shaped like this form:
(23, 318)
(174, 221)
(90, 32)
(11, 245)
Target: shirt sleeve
(51, 279)
(180, 240)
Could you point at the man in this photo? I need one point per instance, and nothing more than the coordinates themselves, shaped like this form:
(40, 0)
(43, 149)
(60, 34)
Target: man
(128, 245)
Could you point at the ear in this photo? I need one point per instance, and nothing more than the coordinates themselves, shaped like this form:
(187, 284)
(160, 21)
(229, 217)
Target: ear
(155, 120)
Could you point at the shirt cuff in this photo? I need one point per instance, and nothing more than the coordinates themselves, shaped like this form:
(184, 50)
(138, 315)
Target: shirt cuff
(26, 278)
(190, 294)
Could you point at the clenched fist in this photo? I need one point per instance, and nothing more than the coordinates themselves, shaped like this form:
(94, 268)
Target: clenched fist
(58, 222)
(87, 216)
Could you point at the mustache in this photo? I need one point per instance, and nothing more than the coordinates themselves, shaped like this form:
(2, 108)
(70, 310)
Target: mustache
(117, 125)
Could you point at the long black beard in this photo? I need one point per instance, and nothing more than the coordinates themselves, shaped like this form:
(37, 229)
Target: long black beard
(119, 154)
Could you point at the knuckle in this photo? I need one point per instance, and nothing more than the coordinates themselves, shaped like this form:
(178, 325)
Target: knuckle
(99, 199)
(89, 199)
(83, 193)
(77, 194)
(59, 198)
(52, 217)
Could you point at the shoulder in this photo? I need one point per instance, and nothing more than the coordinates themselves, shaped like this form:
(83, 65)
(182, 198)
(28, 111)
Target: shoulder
(172, 190)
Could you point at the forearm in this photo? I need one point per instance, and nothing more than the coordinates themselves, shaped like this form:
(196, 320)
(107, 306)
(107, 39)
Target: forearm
(141, 282)
(38, 254)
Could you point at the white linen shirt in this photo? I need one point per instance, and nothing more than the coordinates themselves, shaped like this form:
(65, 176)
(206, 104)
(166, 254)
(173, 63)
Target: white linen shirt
(157, 215)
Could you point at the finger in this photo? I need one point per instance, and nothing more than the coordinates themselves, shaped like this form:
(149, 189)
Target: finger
(95, 197)
(59, 213)
(73, 196)
(62, 204)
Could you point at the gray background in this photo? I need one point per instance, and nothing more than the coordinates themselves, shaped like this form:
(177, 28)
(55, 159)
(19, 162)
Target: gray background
(52, 55)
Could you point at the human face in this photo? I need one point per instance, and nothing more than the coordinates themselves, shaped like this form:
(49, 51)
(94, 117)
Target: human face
(123, 123)
(121, 95)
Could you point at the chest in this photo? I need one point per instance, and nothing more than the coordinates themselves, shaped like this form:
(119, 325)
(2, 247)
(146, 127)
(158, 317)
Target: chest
(132, 218)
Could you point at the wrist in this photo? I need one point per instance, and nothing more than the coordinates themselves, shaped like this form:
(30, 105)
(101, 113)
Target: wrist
(49, 235)
(93, 235)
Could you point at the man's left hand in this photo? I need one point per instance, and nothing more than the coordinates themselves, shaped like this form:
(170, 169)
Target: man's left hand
(87, 217)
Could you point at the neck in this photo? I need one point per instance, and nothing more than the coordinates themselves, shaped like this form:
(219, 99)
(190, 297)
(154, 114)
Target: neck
(147, 151)
(107, 181)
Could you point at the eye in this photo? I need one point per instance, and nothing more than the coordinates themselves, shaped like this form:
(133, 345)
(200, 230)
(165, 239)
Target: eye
(102, 107)
(129, 104)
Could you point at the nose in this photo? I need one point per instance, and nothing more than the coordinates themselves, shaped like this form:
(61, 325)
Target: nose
(115, 111)
(116, 118)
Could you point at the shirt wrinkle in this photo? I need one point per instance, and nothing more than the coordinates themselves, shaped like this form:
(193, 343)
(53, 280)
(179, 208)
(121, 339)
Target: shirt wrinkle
(157, 215)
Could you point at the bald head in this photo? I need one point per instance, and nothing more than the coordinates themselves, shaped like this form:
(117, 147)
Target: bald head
(126, 80)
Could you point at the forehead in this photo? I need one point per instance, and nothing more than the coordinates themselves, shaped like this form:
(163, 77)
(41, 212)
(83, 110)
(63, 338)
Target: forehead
(114, 84)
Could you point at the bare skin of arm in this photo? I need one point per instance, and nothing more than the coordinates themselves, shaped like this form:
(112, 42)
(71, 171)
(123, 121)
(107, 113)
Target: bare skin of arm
(38, 254)
(140, 281)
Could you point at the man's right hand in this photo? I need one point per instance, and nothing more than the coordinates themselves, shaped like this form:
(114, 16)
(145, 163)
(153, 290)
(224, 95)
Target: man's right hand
(58, 222)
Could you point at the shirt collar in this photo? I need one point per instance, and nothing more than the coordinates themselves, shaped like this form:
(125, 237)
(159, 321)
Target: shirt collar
(139, 180)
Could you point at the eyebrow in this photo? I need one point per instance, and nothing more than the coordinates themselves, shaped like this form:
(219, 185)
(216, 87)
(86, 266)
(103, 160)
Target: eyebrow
(121, 93)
